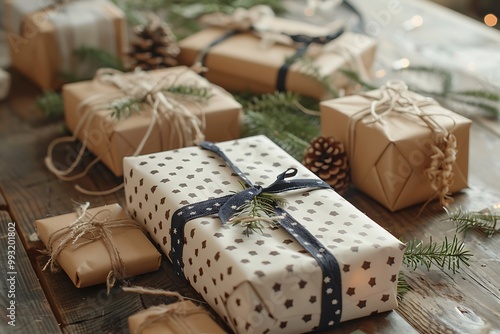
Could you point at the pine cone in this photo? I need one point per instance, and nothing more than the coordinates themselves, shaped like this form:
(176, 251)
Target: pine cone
(327, 158)
(155, 45)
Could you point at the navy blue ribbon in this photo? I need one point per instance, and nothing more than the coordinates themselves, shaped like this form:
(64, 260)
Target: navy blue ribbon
(304, 41)
(204, 52)
(226, 206)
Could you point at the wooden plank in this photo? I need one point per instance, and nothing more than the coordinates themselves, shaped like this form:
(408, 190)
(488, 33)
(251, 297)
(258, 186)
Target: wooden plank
(31, 312)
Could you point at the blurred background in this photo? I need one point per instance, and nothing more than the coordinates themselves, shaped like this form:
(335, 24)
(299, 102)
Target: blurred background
(487, 11)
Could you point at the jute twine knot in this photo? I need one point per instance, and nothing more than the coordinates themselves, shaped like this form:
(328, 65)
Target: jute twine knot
(172, 313)
(86, 229)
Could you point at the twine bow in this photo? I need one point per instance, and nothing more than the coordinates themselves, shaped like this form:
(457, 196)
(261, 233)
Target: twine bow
(86, 229)
(167, 109)
(242, 19)
(396, 98)
(173, 313)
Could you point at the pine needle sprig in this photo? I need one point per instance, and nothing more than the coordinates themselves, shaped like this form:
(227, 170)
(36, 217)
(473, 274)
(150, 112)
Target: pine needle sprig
(484, 220)
(354, 76)
(308, 67)
(402, 286)
(51, 103)
(445, 255)
(99, 58)
(256, 214)
(274, 101)
(123, 108)
(201, 94)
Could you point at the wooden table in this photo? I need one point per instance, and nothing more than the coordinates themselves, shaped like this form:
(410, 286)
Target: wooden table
(439, 302)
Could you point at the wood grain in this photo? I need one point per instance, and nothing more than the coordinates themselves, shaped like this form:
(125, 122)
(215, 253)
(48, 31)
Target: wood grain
(32, 311)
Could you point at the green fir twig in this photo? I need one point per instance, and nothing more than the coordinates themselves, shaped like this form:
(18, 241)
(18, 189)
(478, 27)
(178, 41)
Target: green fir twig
(354, 76)
(51, 103)
(445, 255)
(484, 221)
(258, 213)
(98, 58)
(123, 108)
(308, 67)
(402, 285)
(201, 94)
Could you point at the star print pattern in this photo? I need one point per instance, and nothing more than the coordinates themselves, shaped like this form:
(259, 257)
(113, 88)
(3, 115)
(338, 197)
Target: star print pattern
(273, 264)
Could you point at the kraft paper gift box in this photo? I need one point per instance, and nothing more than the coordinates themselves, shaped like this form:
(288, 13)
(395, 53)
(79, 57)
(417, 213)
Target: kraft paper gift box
(241, 62)
(267, 281)
(188, 319)
(112, 139)
(90, 264)
(390, 153)
(42, 36)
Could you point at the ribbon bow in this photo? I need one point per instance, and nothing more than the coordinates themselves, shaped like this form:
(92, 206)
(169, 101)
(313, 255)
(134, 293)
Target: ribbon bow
(396, 98)
(86, 229)
(167, 109)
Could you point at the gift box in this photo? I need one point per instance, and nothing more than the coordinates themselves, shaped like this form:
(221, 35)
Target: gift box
(89, 114)
(180, 317)
(324, 262)
(393, 137)
(242, 60)
(42, 37)
(88, 259)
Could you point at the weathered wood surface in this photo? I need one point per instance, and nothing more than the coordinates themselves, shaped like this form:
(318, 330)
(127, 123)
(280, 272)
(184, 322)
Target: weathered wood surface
(24, 306)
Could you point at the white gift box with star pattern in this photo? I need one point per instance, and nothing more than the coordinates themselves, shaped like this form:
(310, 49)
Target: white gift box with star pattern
(266, 282)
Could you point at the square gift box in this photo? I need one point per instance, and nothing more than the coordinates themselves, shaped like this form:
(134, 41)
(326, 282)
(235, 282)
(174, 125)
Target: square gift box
(389, 136)
(42, 36)
(89, 264)
(185, 318)
(270, 281)
(241, 62)
(112, 138)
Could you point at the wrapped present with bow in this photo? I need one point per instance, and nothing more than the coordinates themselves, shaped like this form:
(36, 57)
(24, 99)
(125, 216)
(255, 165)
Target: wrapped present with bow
(403, 148)
(183, 316)
(252, 50)
(289, 256)
(97, 245)
(43, 36)
(123, 114)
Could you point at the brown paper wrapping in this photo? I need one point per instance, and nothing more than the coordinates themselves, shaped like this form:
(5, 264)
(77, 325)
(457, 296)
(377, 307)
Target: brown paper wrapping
(33, 53)
(197, 322)
(388, 158)
(222, 114)
(88, 265)
(240, 63)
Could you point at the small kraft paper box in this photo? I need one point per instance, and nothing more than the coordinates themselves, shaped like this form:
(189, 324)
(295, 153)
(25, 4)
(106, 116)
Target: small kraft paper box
(322, 263)
(239, 61)
(42, 36)
(394, 138)
(186, 318)
(88, 260)
(177, 122)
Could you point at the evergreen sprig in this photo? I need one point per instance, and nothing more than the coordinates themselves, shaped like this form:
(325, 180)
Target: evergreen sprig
(201, 94)
(278, 117)
(123, 108)
(485, 221)
(445, 255)
(254, 215)
(402, 286)
(308, 67)
(51, 103)
(98, 58)
(354, 76)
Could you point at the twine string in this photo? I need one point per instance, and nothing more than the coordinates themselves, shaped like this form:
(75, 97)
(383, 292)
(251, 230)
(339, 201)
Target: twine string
(86, 229)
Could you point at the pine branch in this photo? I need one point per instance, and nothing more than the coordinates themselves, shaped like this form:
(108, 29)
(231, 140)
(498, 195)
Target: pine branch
(125, 107)
(278, 117)
(99, 58)
(484, 220)
(254, 215)
(202, 94)
(51, 103)
(402, 286)
(447, 255)
(308, 67)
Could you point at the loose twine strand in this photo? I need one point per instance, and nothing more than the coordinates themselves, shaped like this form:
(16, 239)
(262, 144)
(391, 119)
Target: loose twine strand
(167, 110)
(395, 98)
(86, 229)
(171, 313)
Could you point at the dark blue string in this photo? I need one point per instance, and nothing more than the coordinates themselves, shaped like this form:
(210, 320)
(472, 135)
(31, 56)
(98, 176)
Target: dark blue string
(204, 52)
(227, 206)
(305, 41)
